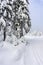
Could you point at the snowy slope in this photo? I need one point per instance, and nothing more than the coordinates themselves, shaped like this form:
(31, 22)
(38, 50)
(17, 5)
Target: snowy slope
(10, 55)
(28, 52)
(34, 52)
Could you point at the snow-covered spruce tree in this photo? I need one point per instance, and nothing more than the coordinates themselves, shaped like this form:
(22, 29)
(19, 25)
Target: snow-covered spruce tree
(21, 17)
(2, 21)
(5, 15)
(16, 13)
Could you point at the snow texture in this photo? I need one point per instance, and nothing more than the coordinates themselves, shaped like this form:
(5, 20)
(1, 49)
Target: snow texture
(27, 50)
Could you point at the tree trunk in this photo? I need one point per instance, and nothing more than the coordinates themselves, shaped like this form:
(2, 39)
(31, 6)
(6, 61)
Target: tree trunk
(21, 33)
(4, 33)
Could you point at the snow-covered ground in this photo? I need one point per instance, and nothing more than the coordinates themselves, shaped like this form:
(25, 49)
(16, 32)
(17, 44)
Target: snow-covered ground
(26, 51)
(34, 51)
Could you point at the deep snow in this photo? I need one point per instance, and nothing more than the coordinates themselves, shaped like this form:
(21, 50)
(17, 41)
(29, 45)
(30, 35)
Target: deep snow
(28, 51)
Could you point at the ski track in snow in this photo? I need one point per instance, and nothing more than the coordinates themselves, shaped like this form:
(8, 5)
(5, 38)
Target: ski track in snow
(34, 52)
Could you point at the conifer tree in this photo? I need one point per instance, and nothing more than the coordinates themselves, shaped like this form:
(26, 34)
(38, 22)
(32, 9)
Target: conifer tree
(21, 16)
(16, 13)
(5, 15)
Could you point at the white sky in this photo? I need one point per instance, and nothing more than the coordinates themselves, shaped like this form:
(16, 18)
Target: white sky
(36, 14)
